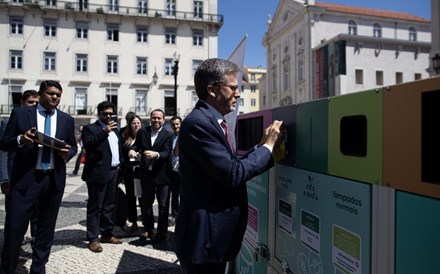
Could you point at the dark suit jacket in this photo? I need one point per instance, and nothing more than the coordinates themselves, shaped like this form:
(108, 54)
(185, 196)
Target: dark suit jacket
(213, 211)
(6, 157)
(162, 145)
(23, 170)
(98, 153)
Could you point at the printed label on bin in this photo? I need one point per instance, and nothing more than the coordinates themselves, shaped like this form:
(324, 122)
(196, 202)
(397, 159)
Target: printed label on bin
(346, 253)
(285, 216)
(310, 236)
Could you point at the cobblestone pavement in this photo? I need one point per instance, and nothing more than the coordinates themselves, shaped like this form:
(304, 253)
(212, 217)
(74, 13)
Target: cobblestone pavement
(70, 253)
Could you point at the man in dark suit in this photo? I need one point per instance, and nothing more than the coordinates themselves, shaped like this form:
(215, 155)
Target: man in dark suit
(38, 175)
(212, 215)
(29, 97)
(175, 123)
(154, 145)
(103, 146)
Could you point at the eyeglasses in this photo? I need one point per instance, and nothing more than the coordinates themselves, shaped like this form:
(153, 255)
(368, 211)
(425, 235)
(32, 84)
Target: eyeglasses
(107, 113)
(233, 88)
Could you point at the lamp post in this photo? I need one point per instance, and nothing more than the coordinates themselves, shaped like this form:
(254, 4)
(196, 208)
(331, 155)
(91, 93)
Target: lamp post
(175, 72)
(436, 63)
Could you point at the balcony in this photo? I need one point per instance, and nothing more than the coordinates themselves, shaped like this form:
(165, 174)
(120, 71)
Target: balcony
(6, 109)
(69, 6)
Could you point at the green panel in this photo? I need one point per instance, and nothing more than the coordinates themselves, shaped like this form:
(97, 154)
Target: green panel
(257, 228)
(312, 135)
(417, 234)
(322, 222)
(347, 110)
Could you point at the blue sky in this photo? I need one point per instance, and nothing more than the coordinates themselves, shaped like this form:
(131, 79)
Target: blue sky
(249, 17)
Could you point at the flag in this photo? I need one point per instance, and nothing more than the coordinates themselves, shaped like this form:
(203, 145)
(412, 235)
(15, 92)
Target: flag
(236, 57)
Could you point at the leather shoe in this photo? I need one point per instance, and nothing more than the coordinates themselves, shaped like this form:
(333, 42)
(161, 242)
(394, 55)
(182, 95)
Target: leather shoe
(131, 229)
(144, 235)
(111, 240)
(95, 247)
(159, 238)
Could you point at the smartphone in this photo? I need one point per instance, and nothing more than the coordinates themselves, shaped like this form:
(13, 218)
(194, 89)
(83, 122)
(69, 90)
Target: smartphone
(115, 118)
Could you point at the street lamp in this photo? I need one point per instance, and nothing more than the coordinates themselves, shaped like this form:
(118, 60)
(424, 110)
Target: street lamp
(155, 78)
(436, 63)
(175, 72)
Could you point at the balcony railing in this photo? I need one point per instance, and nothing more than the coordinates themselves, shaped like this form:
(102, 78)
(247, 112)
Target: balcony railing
(6, 109)
(119, 10)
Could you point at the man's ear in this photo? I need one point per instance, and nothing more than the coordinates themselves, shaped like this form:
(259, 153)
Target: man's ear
(211, 90)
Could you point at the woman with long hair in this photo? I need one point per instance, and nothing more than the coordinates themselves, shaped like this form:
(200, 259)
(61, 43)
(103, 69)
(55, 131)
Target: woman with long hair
(128, 138)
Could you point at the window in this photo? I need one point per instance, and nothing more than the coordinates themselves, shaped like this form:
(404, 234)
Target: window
(194, 99)
(83, 4)
(168, 66)
(16, 59)
(252, 77)
(241, 102)
(377, 31)
(17, 1)
(52, 3)
(50, 28)
(141, 66)
(352, 28)
(81, 100)
(171, 7)
(143, 6)
(111, 95)
(253, 102)
(49, 61)
(16, 24)
(286, 77)
(417, 76)
(16, 92)
(379, 78)
(82, 30)
(113, 32)
(195, 65)
(170, 36)
(198, 9)
(113, 5)
(141, 102)
(399, 77)
(112, 64)
(253, 89)
(300, 71)
(169, 102)
(81, 62)
(412, 34)
(359, 77)
(142, 34)
(197, 37)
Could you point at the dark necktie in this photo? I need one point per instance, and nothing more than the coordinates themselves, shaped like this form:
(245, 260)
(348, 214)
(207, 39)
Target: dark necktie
(228, 134)
(45, 157)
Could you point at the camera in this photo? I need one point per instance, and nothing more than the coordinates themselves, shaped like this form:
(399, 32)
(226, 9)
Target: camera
(115, 118)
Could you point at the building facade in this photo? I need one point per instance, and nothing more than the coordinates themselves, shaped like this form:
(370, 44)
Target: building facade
(126, 52)
(250, 89)
(317, 50)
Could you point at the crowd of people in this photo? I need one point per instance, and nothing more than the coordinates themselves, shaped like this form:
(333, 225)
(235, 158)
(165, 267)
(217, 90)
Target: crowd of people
(194, 159)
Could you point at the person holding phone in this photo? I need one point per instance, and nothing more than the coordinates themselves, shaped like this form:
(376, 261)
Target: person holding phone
(102, 143)
(38, 175)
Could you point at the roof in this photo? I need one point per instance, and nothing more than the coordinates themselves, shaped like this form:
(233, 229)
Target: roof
(371, 12)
